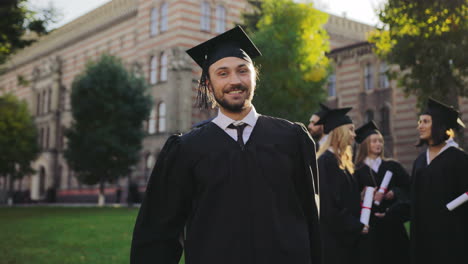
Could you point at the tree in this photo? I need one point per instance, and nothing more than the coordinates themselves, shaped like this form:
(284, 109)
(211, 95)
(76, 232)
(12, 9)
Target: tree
(428, 39)
(109, 105)
(16, 20)
(18, 139)
(294, 66)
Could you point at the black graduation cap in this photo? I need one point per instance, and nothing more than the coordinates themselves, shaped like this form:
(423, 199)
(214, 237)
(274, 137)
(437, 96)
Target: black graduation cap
(334, 118)
(322, 111)
(232, 43)
(366, 130)
(447, 114)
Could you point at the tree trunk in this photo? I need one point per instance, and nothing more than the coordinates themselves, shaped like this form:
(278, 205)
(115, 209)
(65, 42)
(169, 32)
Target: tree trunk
(102, 197)
(10, 189)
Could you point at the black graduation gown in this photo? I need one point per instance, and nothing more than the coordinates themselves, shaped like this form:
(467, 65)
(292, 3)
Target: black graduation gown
(387, 241)
(246, 206)
(437, 234)
(339, 212)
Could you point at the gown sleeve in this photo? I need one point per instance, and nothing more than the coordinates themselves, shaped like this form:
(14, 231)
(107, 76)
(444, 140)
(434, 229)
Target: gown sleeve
(307, 189)
(163, 213)
(400, 209)
(332, 200)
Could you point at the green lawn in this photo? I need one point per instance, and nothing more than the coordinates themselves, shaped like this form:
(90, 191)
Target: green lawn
(49, 235)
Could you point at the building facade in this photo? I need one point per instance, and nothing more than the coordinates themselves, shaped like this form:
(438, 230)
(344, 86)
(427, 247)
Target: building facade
(151, 36)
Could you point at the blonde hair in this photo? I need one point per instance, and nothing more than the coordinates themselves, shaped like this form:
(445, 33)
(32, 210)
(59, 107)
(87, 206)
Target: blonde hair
(338, 140)
(364, 149)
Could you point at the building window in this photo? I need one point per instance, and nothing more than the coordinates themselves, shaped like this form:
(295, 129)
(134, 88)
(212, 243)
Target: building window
(163, 67)
(154, 22)
(385, 121)
(369, 116)
(41, 136)
(164, 22)
(162, 117)
(38, 104)
(49, 100)
(368, 80)
(153, 70)
(44, 102)
(42, 179)
(220, 19)
(47, 137)
(331, 85)
(383, 78)
(152, 122)
(205, 17)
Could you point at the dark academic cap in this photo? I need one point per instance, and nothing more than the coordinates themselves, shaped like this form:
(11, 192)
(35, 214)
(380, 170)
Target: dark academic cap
(366, 130)
(334, 118)
(232, 43)
(322, 111)
(448, 115)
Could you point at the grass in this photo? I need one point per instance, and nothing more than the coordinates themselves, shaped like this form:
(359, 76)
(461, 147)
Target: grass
(52, 235)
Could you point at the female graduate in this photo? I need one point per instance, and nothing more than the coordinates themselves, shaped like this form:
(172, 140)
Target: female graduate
(387, 241)
(440, 174)
(339, 192)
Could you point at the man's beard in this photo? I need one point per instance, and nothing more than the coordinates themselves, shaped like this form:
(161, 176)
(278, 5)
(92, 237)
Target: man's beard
(233, 108)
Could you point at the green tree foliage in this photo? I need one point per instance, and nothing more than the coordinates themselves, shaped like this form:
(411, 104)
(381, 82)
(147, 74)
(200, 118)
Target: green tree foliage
(428, 39)
(18, 138)
(294, 65)
(16, 20)
(109, 105)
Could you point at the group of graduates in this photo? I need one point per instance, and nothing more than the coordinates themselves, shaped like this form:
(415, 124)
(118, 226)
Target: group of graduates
(439, 175)
(247, 188)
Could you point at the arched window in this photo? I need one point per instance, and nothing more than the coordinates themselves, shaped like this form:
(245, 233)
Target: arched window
(220, 19)
(385, 121)
(383, 78)
(368, 79)
(164, 23)
(331, 85)
(205, 17)
(153, 70)
(162, 117)
(163, 67)
(154, 22)
(369, 116)
(152, 122)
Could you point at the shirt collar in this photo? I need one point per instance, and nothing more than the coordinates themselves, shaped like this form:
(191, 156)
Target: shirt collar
(374, 164)
(224, 121)
(449, 143)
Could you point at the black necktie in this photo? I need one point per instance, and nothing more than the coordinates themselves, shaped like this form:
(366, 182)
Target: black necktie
(240, 130)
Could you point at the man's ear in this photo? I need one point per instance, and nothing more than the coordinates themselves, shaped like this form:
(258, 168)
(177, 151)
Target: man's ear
(208, 85)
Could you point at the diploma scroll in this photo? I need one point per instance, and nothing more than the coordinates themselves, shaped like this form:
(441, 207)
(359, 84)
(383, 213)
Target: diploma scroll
(384, 185)
(367, 205)
(458, 201)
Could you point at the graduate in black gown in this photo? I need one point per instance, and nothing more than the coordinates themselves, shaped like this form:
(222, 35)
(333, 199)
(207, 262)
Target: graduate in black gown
(387, 241)
(238, 189)
(440, 174)
(316, 131)
(339, 192)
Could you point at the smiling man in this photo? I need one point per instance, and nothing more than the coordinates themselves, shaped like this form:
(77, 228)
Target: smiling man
(237, 190)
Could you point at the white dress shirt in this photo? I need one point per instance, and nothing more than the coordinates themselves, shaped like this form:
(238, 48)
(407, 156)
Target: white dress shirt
(250, 119)
(374, 164)
(449, 143)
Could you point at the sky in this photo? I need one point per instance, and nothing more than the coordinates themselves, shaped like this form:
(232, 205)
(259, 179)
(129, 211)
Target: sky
(359, 10)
